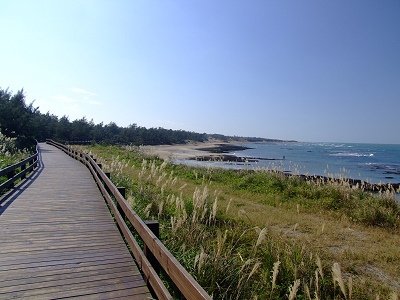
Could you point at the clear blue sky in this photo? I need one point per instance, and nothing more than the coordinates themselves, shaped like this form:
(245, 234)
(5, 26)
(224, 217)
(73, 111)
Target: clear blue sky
(304, 70)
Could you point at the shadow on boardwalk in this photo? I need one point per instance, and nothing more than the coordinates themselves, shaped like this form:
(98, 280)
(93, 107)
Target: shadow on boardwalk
(9, 197)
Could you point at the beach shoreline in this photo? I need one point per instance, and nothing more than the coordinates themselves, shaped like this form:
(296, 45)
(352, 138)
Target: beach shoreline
(216, 150)
(212, 150)
(209, 150)
(187, 151)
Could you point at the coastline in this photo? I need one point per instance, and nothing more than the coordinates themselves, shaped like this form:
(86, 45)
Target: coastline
(216, 150)
(210, 150)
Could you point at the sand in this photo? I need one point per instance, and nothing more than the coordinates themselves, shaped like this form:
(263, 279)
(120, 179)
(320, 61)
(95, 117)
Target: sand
(181, 151)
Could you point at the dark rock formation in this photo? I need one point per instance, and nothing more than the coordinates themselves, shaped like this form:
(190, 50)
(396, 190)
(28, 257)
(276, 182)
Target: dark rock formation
(223, 148)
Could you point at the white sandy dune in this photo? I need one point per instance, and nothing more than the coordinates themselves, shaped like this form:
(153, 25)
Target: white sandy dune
(180, 151)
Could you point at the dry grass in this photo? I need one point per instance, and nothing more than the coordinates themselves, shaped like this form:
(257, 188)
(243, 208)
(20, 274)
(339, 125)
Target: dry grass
(270, 247)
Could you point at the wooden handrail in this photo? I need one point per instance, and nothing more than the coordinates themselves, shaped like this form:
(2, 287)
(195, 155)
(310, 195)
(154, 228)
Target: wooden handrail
(186, 284)
(27, 165)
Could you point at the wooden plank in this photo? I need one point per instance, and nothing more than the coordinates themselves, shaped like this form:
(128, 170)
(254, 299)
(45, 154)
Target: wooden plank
(103, 292)
(131, 294)
(63, 269)
(48, 228)
(59, 233)
(36, 239)
(58, 239)
(72, 281)
(73, 260)
(80, 288)
(59, 255)
(55, 247)
(60, 276)
(58, 243)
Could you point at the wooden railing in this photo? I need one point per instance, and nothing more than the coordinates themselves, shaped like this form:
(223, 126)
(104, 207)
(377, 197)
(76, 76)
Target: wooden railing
(18, 171)
(186, 284)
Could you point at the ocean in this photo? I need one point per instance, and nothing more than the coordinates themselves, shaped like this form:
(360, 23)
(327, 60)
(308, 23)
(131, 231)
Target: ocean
(374, 163)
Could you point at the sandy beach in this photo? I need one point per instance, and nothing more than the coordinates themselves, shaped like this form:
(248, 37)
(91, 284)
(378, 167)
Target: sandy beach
(186, 151)
(217, 150)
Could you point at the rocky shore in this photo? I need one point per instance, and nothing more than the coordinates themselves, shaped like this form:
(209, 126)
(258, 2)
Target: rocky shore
(218, 151)
(353, 183)
(221, 149)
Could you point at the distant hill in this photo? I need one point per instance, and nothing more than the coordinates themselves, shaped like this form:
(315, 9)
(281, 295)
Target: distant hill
(247, 139)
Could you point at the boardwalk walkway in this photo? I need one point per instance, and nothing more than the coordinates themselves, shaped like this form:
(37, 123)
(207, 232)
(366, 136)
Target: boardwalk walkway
(58, 239)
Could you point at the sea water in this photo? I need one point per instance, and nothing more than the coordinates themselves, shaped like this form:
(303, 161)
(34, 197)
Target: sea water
(374, 163)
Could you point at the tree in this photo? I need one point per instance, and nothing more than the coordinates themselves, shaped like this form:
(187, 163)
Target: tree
(26, 123)
(81, 130)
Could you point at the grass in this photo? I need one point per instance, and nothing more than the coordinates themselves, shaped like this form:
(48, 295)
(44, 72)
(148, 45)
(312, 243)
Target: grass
(261, 235)
(9, 154)
(10, 159)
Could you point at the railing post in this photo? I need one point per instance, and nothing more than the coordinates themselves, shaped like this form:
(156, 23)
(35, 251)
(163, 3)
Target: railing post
(11, 175)
(154, 226)
(30, 162)
(23, 167)
(122, 190)
(108, 175)
(35, 163)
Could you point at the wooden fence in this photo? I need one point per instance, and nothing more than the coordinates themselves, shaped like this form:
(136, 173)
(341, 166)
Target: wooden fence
(18, 171)
(121, 210)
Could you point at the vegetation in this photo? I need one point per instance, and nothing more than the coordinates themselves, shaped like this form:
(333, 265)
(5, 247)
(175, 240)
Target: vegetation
(26, 123)
(260, 235)
(9, 153)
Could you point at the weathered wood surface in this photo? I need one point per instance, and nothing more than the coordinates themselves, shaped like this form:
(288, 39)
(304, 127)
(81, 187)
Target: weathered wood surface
(58, 239)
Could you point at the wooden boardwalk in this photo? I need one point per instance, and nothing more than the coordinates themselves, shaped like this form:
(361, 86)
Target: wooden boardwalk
(58, 239)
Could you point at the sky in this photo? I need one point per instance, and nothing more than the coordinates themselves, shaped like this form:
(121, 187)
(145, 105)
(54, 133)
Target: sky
(304, 70)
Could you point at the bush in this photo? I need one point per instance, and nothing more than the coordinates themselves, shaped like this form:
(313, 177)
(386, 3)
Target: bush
(7, 145)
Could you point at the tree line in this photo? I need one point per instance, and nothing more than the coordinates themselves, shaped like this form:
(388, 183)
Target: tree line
(26, 123)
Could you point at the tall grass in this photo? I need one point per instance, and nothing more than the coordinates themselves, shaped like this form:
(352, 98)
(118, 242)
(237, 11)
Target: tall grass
(9, 153)
(230, 258)
(379, 209)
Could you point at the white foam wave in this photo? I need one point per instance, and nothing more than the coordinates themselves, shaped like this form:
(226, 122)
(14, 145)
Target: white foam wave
(352, 154)
(331, 145)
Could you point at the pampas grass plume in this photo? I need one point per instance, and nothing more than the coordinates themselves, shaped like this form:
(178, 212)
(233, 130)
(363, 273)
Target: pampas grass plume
(337, 277)
(275, 272)
(293, 289)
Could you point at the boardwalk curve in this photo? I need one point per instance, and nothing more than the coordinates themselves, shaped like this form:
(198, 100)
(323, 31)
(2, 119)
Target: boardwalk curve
(58, 239)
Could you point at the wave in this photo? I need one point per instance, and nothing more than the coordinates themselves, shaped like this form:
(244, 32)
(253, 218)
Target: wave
(331, 145)
(352, 154)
